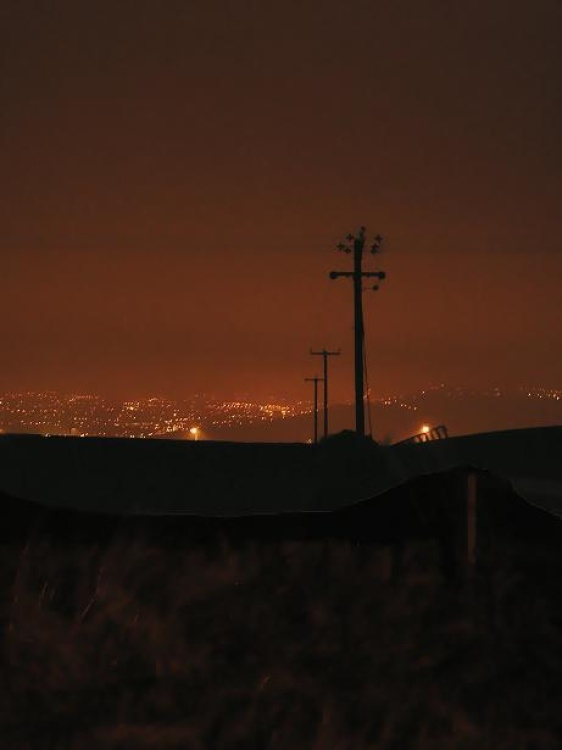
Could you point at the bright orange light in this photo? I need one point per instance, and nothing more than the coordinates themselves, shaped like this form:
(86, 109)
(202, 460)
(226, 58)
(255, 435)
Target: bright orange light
(425, 428)
(195, 432)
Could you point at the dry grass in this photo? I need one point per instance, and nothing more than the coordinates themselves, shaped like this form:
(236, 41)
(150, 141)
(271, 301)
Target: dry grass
(316, 645)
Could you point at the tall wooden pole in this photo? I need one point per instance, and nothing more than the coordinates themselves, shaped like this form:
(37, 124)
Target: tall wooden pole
(357, 275)
(358, 245)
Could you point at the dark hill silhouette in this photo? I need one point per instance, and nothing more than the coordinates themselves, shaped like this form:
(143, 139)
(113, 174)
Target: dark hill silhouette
(427, 507)
(219, 478)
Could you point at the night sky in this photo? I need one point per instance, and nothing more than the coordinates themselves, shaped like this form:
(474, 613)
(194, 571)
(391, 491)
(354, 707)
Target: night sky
(175, 176)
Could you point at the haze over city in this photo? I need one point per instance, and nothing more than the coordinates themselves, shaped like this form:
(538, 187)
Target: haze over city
(176, 178)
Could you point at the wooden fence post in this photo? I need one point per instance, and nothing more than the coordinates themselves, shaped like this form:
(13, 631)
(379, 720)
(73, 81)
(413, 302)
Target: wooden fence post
(471, 519)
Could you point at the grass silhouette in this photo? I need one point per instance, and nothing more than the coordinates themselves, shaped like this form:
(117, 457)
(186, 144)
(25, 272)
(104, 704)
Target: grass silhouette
(133, 639)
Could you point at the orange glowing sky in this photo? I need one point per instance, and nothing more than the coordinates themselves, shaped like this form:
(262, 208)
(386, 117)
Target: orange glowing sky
(175, 177)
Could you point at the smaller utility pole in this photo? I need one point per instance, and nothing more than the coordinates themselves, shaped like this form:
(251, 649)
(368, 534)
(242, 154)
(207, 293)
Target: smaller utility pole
(325, 354)
(315, 380)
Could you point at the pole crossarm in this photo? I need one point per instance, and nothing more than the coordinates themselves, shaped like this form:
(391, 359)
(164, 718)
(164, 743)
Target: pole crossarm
(326, 353)
(365, 274)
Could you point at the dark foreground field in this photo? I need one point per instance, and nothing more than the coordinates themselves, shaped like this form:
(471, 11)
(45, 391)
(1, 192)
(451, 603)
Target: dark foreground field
(125, 634)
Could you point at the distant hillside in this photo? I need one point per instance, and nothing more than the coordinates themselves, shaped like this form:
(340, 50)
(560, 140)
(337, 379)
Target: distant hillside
(463, 411)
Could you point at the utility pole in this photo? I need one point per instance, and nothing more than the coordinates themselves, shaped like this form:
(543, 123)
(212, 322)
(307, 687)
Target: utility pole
(315, 380)
(356, 246)
(325, 354)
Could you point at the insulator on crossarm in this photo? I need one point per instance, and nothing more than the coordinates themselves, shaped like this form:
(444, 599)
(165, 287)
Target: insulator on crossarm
(376, 246)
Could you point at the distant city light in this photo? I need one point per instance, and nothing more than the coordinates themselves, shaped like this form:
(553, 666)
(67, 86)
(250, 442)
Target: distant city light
(74, 414)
